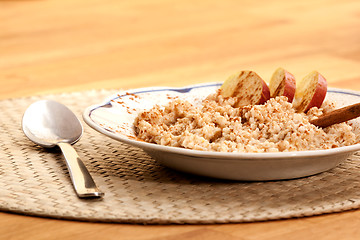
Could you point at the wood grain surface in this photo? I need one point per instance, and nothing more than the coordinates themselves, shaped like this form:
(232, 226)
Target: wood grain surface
(53, 46)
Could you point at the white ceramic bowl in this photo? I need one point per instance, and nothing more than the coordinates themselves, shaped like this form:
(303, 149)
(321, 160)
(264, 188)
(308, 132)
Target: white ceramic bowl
(115, 116)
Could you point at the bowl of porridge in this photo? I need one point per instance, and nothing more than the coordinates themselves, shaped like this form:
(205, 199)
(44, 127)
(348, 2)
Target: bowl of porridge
(196, 130)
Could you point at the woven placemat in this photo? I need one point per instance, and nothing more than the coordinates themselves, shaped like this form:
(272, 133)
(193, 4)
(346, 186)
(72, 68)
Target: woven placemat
(35, 181)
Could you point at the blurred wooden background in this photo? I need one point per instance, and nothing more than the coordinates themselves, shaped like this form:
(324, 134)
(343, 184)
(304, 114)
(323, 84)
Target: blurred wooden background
(57, 46)
(52, 46)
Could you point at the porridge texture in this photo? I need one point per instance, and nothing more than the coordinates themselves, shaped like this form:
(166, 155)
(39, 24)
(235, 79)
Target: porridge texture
(216, 125)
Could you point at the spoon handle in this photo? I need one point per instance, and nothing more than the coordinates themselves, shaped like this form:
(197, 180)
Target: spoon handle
(83, 183)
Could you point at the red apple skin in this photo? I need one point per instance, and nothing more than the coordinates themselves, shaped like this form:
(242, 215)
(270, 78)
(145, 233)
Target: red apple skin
(320, 93)
(265, 95)
(290, 86)
(282, 83)
(248, 87)
(310, 92)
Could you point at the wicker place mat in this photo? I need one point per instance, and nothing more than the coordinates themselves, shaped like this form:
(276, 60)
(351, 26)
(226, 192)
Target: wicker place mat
(35, 181)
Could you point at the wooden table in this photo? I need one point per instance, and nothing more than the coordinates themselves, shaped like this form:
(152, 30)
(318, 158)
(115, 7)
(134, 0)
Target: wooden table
(59, 46)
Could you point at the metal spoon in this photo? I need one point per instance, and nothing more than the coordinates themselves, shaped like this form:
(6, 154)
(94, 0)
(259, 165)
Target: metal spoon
(49, 124)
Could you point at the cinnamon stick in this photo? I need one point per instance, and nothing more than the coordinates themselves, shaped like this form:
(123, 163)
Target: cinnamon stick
(337, 116)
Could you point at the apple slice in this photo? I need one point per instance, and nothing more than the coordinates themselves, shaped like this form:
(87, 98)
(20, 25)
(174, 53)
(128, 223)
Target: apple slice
(310, 92)
(247, 87)
(282, 83)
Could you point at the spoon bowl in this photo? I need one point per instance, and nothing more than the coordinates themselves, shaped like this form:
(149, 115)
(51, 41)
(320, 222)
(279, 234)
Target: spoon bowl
(50, 124)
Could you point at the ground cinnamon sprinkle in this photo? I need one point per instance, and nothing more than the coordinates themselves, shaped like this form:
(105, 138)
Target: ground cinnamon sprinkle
(216, 125)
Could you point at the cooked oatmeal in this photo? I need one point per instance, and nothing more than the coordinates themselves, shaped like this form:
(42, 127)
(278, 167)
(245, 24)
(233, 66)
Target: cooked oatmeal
(216, 125)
